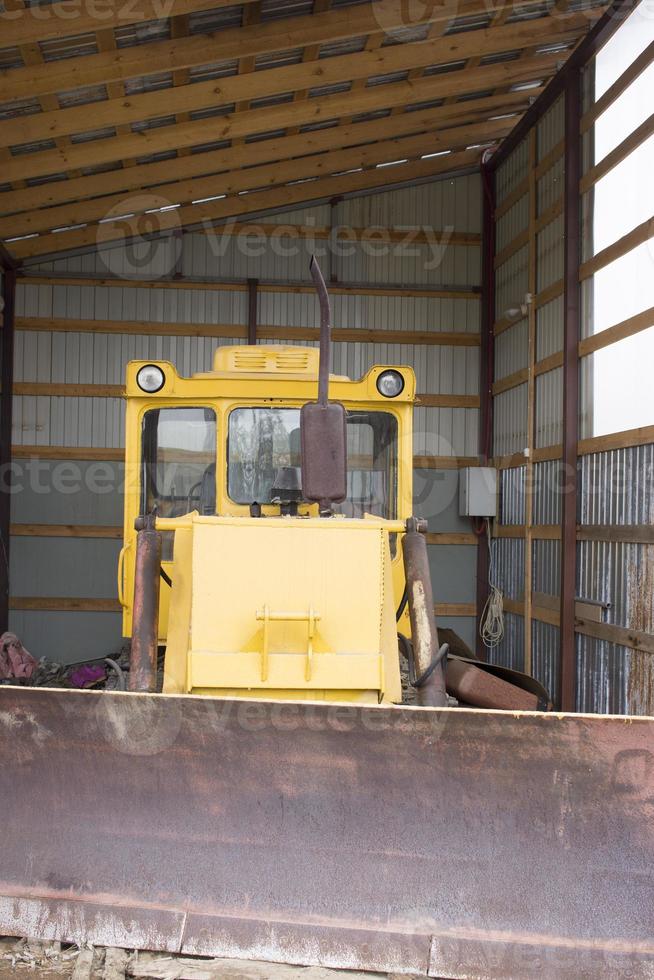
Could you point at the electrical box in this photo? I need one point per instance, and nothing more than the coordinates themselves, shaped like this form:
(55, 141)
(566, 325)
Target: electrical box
(478, 492)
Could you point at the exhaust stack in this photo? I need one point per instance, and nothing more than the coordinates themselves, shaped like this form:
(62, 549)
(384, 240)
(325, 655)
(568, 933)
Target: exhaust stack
(322, 423)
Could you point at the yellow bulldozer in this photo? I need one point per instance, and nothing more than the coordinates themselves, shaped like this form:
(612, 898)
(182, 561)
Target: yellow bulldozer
(268, 795)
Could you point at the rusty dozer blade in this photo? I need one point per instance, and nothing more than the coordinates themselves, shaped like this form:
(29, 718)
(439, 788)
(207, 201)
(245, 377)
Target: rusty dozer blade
(443, 842)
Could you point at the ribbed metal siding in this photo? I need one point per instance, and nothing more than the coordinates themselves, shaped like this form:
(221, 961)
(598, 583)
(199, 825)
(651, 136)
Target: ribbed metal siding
(511, 350)
(282, 309)
(510, 408)
(452, 201)
(549, 188)
(511, 224)
(512, 171)
(548, 488)
(621, 574)
(510, 421)
(603, 683)
(550, 254)
(510, 652)
(549, 408)
(509, 554)
(512, 282)
(512, 495)
(550, 129)
(616, 487)
(546, 573)
(545, 640)
(445, 431)
(549, 328)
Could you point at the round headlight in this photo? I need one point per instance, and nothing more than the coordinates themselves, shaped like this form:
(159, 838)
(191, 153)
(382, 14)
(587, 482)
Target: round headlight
(390, 384)
(150, 378)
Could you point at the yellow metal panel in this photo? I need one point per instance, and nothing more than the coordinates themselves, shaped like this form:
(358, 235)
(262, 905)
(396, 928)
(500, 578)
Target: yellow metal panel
(392, 683)
(180, 614)
(240, 565)
(286, 694)
(286, 671)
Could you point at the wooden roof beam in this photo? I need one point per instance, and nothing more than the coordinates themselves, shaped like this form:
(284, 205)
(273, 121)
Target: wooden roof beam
(237, 180)
(258, 201)
(95, 152)
(267, 151)
(179, 53)
(278, 81)
(66, 19)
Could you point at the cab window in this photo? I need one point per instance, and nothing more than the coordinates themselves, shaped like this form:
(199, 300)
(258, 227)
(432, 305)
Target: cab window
(263, 459)
(178, 461)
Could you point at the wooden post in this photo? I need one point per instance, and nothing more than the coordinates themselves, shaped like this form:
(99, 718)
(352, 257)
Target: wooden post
(572, 214)
(486, 374)
(531, 400)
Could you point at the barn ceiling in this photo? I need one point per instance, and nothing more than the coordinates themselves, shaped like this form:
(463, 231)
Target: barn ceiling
(140, 116)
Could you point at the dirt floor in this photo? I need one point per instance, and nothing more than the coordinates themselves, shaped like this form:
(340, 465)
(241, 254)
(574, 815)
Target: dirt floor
(21, 959)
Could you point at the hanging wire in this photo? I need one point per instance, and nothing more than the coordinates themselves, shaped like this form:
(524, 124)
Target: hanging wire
(491, 627)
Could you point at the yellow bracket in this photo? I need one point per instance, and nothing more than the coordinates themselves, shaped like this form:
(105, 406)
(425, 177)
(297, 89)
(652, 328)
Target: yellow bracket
(267, 616)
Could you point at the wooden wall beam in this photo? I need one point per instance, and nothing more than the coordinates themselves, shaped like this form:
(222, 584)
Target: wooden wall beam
(238, 331)
(296, 288)
(66, 531)
(67, 390)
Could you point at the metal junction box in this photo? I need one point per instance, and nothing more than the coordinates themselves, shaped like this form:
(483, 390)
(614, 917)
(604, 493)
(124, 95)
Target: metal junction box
(478, 491)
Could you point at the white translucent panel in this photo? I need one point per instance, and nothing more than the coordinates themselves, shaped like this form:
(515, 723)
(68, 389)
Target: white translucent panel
(617, 389)
(624, 198)
(623, 288)
(631, 109)
(624, 47)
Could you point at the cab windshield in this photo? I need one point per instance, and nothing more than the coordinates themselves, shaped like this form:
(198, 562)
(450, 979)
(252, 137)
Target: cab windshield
(263, 460)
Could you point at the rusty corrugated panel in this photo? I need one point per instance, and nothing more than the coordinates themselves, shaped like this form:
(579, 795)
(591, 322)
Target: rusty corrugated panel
(545, 656)
(510, 652)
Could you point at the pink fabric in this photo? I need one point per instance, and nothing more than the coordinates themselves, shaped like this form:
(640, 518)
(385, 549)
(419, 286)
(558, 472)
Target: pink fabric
(15, 661)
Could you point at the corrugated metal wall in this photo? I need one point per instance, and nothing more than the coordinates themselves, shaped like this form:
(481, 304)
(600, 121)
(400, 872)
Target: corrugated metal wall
(84, 488)
(510, 407)
(615, 581)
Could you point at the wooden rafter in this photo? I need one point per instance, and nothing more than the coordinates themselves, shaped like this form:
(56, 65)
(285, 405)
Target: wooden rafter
(277, 81)
(268, 151)
(97, 152)
(421, 101)
(65, 20)
(255, 202)
(239, 179)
